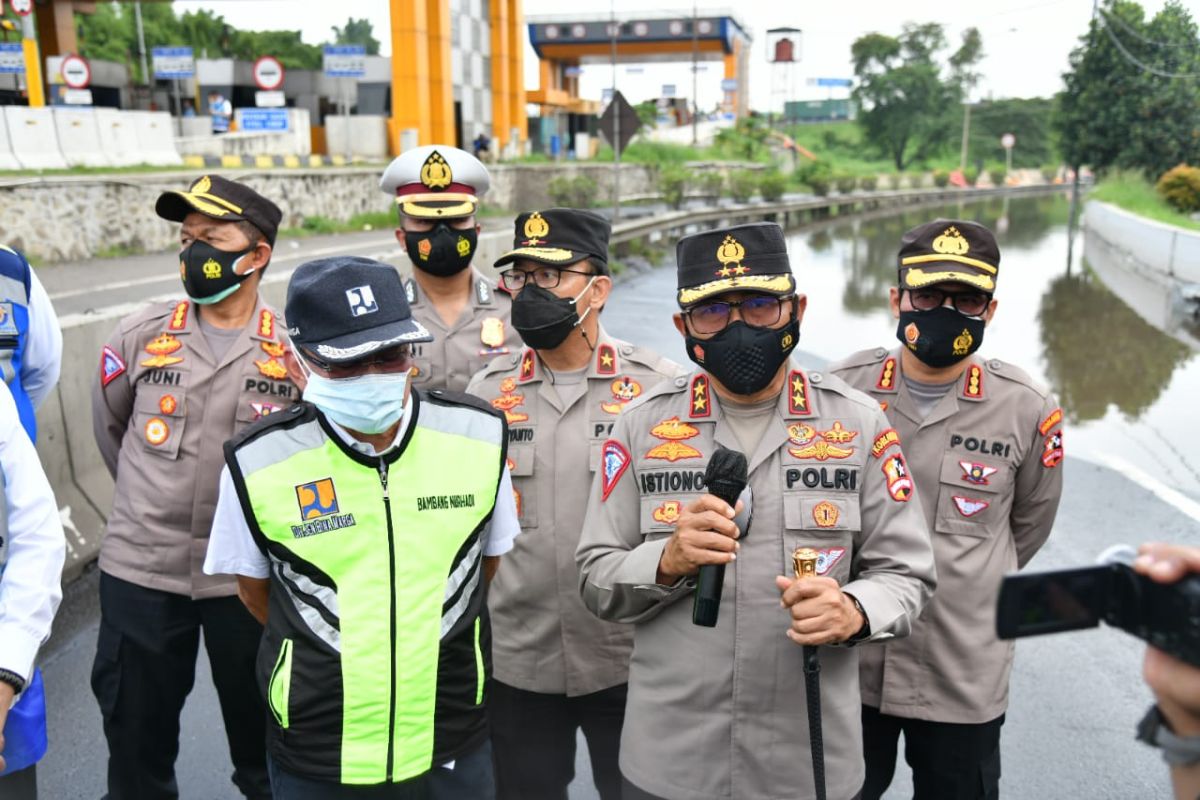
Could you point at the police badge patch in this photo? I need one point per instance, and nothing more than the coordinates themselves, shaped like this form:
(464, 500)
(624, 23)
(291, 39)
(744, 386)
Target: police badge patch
(614, 460)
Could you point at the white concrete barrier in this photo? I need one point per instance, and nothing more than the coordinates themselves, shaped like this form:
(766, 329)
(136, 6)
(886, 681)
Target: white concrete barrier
(33, 137)
(367, 136)
(1164, 248)
(7, 159)
(156, 138)
(118, 137)
(79, 137)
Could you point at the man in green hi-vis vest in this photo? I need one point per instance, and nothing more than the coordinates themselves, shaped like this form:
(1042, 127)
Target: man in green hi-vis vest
(363, 527)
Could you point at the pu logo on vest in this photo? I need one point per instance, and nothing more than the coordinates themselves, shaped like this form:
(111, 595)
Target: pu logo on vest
(445, 502)
(362, 301)
(319, 509)
(8, 322)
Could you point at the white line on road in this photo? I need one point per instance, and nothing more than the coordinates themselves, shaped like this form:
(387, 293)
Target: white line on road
(1172, 497)
(275, 259)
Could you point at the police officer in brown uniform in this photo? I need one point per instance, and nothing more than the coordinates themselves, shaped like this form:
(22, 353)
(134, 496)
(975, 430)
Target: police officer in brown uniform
(720, 712)
(437, 190)
(984, 443)
(175, 381)
(557, 667)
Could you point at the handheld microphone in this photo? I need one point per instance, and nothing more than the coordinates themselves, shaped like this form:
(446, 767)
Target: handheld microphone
(725, 477)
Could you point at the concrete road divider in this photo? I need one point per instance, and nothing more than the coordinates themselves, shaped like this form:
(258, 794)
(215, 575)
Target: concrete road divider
(33, 137)
(7, 159)
(156, 138)
(79, 137)
(118, 137)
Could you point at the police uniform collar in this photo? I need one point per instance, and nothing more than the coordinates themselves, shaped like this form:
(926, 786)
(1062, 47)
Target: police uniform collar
(264, 325)
(181, 316)
(483, 293)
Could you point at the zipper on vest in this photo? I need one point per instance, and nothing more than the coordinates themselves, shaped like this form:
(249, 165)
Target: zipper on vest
(387, 510)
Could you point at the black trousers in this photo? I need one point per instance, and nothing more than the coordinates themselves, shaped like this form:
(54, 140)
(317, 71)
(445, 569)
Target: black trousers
(949, 761)
(20, 785)
(144, 669)
(533, 740)
(470, 779)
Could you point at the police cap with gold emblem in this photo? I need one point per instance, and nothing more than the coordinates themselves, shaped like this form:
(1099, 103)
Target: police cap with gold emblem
(560, 237)
(949, 250)
(744, 258)
(436, 181)
(223, 200)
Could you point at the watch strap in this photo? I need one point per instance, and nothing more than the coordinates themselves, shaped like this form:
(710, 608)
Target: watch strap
(1178, 751)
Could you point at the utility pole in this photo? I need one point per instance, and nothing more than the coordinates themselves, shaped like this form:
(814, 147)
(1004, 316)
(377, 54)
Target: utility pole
(616, 179)
(695, 95)
(966, 134)
(141, 34)
(33, 63)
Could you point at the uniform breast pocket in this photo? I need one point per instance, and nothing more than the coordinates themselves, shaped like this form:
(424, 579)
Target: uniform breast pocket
(822, 522)
(423, 371)
(972, 495)
(520, 464)
(159, 418)
(659, 513)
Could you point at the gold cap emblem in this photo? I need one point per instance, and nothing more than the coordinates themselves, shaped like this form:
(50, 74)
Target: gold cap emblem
(951, 243)
(202, 186)
(730, 251)
(435, 172)
(536, 228)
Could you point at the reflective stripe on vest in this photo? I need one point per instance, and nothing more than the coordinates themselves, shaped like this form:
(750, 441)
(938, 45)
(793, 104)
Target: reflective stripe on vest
(14, 327)
(360, 600)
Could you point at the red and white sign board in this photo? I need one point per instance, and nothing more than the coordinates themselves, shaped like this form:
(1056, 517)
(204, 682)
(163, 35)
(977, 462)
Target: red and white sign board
(268, 73)
(1008, 141)
(22, 8)
(76, 72)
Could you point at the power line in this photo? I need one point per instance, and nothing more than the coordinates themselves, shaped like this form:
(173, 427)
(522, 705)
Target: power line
(1111, 17)
(1132, 59)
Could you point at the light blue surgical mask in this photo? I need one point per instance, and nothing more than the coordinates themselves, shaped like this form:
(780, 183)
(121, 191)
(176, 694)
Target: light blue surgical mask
(368, 404)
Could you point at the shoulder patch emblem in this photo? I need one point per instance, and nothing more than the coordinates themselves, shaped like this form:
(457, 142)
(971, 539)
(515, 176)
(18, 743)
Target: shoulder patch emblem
(673, 432)
(976, 473)
(887, 375)
(1052, 450)
(973, 384)
(700, 405)
(160, 350)
(606, 360)
(798, 405)
(179, 316)
(266, 324)
(838, 434)
(1049, 422)
(899, 484)
(527, 366)
(969, 507)
(614, 460)
(884, 440)
(668, 512)
(111, 366)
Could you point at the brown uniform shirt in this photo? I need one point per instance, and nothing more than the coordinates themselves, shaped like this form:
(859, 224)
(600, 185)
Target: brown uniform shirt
(987, 465)
(720, 712)
(162, 408)
(543, 639)
(483, 331)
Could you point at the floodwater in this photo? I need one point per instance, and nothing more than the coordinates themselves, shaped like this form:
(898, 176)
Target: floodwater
(1103, 336)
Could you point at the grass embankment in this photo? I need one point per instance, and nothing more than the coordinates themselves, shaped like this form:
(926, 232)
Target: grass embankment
(1134, 193)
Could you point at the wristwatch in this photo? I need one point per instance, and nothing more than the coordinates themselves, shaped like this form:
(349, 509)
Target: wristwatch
(864, 632)
(1178, 751)
(12, 679)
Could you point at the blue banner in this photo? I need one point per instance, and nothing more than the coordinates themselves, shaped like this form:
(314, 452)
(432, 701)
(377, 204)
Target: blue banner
(263, 119)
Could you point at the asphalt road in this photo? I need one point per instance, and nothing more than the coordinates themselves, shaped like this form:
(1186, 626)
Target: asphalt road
(1075, 697)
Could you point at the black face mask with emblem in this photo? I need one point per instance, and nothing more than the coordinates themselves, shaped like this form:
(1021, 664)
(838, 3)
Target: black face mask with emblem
(544, 319)
(742, 358)
(940, 337)
(209, 274)
(443, 251)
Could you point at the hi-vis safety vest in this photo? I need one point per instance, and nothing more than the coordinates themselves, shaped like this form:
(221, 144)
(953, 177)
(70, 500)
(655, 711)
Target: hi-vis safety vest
(377, 647)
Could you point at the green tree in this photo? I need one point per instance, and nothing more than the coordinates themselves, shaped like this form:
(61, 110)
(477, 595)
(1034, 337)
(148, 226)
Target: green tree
(357, 31)
(908, 107)
(1127, 102)
(1029, 120)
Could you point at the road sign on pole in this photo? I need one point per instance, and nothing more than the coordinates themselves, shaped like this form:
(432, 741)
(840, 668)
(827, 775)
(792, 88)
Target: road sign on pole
(1008, 141)
(22, 8)
(173, 63)
(12, 58)
(76, 72)
(268, 73)
(629, 123)
(344, 60)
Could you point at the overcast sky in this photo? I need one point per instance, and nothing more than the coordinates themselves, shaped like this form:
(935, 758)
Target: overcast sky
(1026, 42)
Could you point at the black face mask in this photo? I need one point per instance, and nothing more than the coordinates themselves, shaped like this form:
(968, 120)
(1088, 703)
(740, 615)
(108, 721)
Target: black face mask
(208, 273)
(742, 358)
(543, 318)
(443, 251)
(940, 337)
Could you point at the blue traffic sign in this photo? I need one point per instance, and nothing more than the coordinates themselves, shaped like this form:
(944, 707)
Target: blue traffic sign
(173, 63)
(344, 60)
(833, 82)
(12, 58)
(263, 119)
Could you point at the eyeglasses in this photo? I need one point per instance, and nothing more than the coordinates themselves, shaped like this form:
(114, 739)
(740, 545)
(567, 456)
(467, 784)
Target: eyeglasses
(394, 359)
(757, 311)
(546, 277)
(973, 304)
